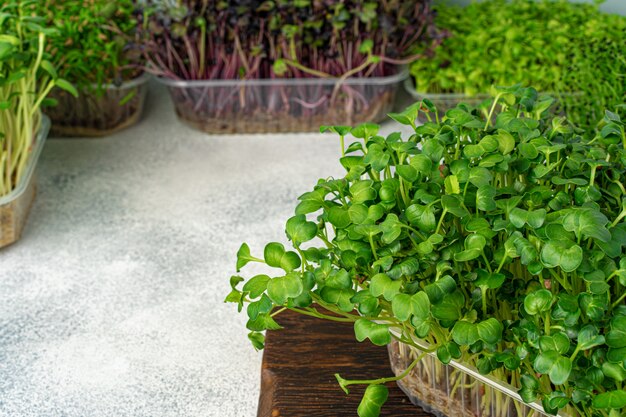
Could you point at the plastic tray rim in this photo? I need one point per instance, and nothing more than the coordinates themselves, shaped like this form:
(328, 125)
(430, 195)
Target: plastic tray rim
(387, 80)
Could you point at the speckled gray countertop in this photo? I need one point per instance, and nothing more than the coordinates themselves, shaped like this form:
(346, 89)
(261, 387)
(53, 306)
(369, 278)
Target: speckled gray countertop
(111, 304)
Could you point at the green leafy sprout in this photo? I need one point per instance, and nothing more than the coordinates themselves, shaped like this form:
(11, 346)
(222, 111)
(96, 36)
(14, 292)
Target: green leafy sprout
(495, 236)
(94, 41)
(26, 77)
(574, 51)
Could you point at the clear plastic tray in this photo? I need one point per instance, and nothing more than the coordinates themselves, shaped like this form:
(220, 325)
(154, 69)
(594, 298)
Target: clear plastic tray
(282, 105)
(98, 113)
(15, 206)
(457, 390)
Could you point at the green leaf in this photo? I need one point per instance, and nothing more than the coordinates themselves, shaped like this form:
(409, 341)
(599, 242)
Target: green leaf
(614, 371)
(263, 322)
(480, 177)
(449, 309)
(454, 204)
(421, 163)
(616, 337)
(401, 306)
(556, 366)
(447, 352)
(49, 68)
(243, 256)
(275, 256)
(506, 142)
(588, 337)
(558, 342)
(362, 191)
(373, 399)
(593, 306)
(299, 230)
(235, 296)
(563, 253)
(490, 331)
(339, 217)
(530, 388)
(611, 399)
(381, 284)
(525, 249)
(534, 219)
(467, 255)
(263, 305)
(339, 130)
(281, 288)
(490, 280)
(451, 185)
(377, 333)
(587, 223)
(311, 202)
(538, 302)
(433, 149)
(554, 401)
(67, 86)
(391, 227)
(358, 213)
(420, 305)
(421, 216)
(257, 339)
(437, 290)
(256, 285)
(406, 268)
(6, 49)
(407, 172)
(465, 333)
(339, 279)
(340, 297)
(365, 130)
(485, 198)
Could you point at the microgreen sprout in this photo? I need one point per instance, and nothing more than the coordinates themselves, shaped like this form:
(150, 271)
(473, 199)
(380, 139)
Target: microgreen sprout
(333, 41)
(496, 241)
(26, 77)
(574, 51)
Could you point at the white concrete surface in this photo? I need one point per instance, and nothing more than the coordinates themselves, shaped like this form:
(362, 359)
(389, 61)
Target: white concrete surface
(112, 302)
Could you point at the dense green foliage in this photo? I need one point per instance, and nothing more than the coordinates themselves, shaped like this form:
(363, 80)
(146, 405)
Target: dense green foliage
(94, 41)
(211, 39)
(497, 240)
(26, 78)
(555, 46)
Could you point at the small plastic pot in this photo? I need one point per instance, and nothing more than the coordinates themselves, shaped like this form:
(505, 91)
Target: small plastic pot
(15, 206)
(98, 111)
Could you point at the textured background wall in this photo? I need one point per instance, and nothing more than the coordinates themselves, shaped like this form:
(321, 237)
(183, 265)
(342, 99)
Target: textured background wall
(610, 6)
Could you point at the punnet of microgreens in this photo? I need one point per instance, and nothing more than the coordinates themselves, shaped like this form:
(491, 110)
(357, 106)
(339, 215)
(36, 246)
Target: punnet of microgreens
(95, 47)
(26, 77)
(491, 238)
(201, 49)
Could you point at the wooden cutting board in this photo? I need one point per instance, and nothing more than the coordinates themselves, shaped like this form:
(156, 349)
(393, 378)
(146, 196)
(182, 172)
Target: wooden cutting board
(299, 363)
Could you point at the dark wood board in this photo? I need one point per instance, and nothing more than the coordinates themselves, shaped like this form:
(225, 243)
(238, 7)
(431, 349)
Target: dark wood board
(299, 363)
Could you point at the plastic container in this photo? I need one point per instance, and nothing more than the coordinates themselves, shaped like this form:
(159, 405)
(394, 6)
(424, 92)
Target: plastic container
(98, 113)
(457, 390)
(282, 105)
(15, 206)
